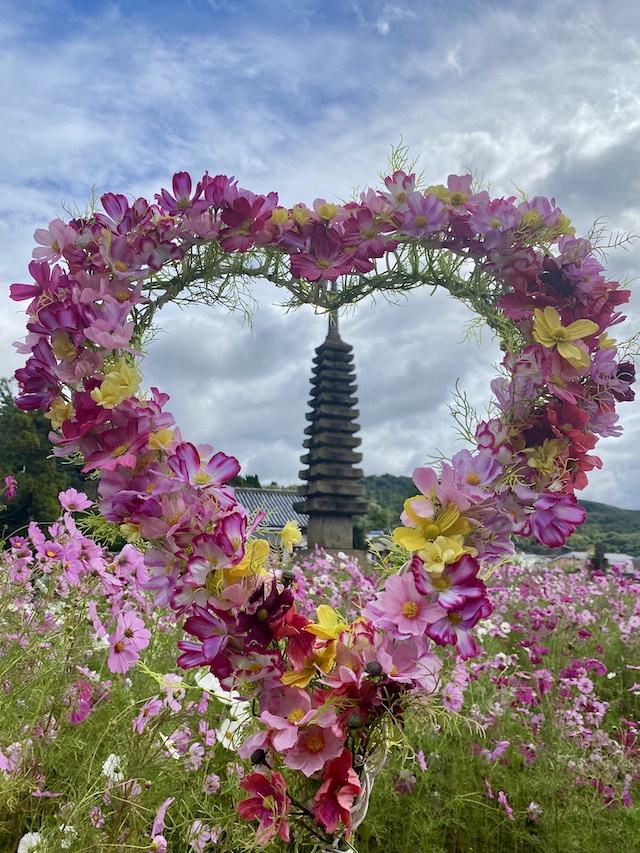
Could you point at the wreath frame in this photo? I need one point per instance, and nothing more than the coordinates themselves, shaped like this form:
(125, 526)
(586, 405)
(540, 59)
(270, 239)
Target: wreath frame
(324, 692)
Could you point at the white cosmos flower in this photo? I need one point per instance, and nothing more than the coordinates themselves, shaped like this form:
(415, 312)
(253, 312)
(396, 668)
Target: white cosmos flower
(112, 768)
(169, 745)
(208, 682)
(30, 841)
(230, 733)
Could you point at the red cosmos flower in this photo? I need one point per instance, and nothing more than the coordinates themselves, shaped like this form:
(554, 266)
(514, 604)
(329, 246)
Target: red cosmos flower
(335, 798)
(268, 804)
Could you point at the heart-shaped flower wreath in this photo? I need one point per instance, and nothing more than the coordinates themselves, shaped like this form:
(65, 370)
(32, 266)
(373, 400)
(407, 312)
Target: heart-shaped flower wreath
(321, 692)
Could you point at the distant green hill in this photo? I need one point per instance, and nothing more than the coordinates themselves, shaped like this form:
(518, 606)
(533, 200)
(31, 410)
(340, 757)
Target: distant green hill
(617, 529)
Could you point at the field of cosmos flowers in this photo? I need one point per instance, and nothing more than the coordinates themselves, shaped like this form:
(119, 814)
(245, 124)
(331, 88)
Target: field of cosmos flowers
(107, 744)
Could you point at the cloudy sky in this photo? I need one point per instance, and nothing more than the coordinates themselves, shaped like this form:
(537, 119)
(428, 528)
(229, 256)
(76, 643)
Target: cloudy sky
(308, 98)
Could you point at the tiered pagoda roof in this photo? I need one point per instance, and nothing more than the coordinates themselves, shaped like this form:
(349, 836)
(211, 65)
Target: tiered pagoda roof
(332, 486)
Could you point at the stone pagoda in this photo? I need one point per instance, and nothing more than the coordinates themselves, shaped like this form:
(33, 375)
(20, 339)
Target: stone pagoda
(332, 493)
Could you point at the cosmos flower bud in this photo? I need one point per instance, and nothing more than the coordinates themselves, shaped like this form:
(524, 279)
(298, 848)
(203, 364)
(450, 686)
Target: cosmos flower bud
(288, 577)
(374, 669)
(258, 756)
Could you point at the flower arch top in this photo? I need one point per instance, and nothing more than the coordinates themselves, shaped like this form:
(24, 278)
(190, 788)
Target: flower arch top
(99, 279)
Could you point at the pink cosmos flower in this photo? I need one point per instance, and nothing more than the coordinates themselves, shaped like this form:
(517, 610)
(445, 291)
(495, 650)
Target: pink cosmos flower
(407, 661)
(121, 655)
(502, 799)
(158, 823)
(53, 240)
(211, 784)
(326, 257)
(269, 804)
(74, 501)
(187, 463)
(126, 641)
(314, 747)
(151, 708)
(199, 835)
(400, 186)
(289, 715)
(400, 609)
(10, 486)
(423, 216)
(335, 797)
(181, 200)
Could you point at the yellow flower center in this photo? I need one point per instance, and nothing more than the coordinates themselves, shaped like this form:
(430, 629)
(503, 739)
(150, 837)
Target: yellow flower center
(420, 221)
(269, 804)
(454, 618)
(262, 614)
(458, 197)
(441, 583)
(201, 478)
(472, 479)
(315, 744)
(410, 609)
(295, 716)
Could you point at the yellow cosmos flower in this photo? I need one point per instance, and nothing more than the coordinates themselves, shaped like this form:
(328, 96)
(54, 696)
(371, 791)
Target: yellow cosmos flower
(161, 439)
(549, 331)
(449, 522)
(543, 458)
(446, 195)
(330, 624)
(290, 535)
(301, 214)
(120, 383)
(280, 216)
(328, 211)
(253, 562)
(63, 348)
(441, 552)
(61, 410)
(323, 660)
(131, 532)
(605, 342)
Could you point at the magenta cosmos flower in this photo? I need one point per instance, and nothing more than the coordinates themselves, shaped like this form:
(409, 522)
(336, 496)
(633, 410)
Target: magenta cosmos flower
(555, 518)
(268, 804)
(457, 584)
